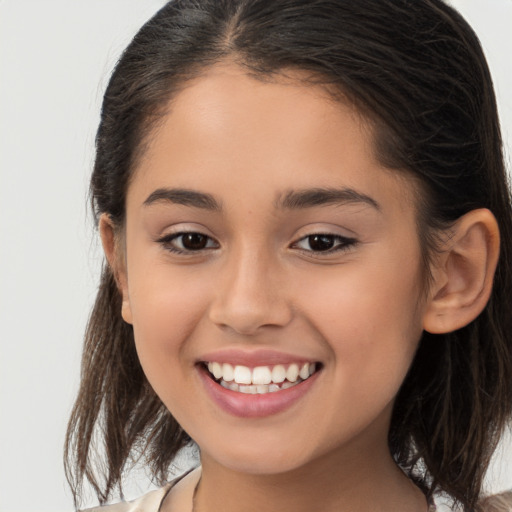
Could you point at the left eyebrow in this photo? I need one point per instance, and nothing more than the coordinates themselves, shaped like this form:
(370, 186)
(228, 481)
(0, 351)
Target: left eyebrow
(309, 198)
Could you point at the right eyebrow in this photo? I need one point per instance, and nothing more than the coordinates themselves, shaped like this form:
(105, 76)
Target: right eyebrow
(184, 197)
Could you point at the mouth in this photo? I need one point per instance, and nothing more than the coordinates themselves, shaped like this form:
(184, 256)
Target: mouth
(260, 380)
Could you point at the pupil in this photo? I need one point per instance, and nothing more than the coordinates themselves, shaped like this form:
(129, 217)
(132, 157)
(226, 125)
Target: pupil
(321, 242)
(194, 241)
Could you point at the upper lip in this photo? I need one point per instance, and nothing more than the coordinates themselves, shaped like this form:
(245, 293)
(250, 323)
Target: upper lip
(251, 359)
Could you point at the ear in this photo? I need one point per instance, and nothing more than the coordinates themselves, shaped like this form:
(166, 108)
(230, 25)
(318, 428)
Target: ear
(463, 273)
(117, 262)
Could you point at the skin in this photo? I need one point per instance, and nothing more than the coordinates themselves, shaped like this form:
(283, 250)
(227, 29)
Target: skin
(358, 311)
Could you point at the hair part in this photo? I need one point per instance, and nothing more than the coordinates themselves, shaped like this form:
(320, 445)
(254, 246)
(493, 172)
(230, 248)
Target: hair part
(416, 71)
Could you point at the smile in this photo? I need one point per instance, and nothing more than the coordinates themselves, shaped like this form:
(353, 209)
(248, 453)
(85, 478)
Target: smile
(256, 389)
(261, 379)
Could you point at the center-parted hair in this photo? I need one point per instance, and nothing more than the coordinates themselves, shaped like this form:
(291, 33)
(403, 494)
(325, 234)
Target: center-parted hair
(415, 70)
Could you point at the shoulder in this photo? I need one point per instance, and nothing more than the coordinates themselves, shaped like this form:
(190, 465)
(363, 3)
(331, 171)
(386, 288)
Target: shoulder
(497, 503)
(149, 502)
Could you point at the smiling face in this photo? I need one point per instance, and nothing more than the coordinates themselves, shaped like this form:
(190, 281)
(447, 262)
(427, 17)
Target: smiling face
(262, 233)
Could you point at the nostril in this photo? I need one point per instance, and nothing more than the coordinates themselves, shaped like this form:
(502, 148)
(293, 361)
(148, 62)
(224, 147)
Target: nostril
(248, 299)
(248, 321)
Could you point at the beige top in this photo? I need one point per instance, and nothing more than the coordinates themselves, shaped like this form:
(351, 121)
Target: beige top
(150, 502)
(179, 500)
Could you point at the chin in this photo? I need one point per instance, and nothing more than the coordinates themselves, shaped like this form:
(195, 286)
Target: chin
(259, 458)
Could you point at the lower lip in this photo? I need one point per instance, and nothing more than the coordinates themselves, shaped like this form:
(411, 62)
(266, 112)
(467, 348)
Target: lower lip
(255, 406)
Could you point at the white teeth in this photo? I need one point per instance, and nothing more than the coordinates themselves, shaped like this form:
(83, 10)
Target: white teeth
(278, 373)
(259, 389)
(261, 379)
(242, 375)
(292, 373)
(249, 390)
(228, 374)
(304, 371)
(262, 375)
(216, 370)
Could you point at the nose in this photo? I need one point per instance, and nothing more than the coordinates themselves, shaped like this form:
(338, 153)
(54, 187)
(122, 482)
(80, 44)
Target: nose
(250, 296)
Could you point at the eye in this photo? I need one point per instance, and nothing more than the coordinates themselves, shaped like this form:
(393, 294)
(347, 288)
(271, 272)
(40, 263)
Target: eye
(187, 242)
(324, 242)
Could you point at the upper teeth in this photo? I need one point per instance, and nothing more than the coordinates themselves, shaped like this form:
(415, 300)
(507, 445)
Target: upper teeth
(261, 374)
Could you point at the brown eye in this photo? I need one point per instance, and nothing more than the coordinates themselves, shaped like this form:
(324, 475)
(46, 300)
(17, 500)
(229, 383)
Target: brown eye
(321, 242)
(324, 242)
(188, 242)
(194, 241)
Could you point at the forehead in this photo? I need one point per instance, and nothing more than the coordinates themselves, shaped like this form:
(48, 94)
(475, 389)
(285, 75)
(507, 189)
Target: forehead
(225, 127)
(226, 99)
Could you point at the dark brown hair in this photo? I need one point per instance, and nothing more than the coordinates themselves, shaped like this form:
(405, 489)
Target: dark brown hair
(416, 70)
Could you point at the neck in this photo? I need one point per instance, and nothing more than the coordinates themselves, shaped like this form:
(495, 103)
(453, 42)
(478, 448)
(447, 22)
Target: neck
(328, 483)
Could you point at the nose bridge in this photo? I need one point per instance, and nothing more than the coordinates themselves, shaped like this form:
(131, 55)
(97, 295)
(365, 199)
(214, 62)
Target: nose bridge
(249, 294)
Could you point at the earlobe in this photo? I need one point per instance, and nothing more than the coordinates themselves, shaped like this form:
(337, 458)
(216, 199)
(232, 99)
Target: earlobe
(116, 261)
(463, 273)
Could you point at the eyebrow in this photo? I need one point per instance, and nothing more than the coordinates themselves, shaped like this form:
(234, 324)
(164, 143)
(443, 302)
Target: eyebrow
(291, 200)
(184, 197)
(309, 198)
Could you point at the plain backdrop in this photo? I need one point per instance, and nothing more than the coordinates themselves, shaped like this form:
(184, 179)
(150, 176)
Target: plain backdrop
(55, 59)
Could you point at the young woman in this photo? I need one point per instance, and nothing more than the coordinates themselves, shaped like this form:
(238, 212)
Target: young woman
(307, 227)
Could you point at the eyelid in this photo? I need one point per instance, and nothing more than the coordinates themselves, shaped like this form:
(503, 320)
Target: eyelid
(181, 228)
(341, 243)
(167, 240)
(346, 244)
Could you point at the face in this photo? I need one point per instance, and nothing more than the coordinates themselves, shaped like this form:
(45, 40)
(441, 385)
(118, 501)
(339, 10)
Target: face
(272, 273)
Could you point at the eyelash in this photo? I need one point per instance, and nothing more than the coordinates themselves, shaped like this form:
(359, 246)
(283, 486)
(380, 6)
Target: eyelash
(341, 243)
(168, 240)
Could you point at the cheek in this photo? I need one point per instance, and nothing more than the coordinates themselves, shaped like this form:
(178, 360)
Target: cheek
(166, 308)
(165, 316)
(368, 316)
(371, 329)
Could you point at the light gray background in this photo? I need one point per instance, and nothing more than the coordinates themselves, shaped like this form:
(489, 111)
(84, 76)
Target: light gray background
(55, 58)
